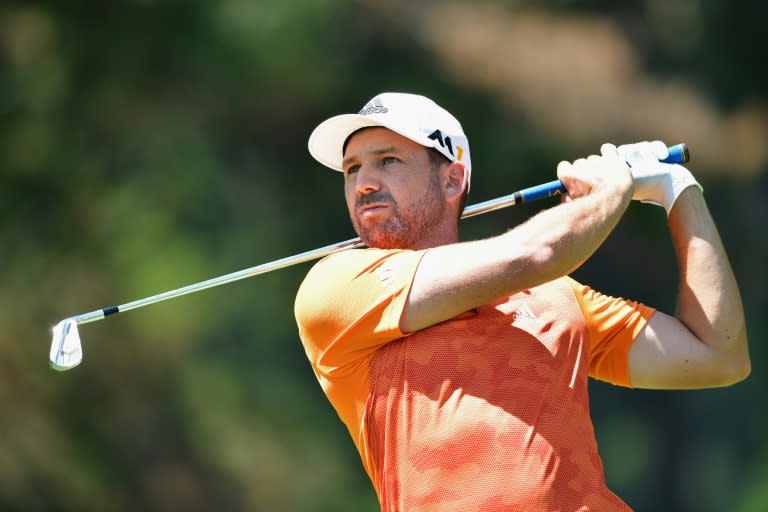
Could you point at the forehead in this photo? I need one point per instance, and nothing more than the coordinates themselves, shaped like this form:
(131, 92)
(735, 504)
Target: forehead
(375, 137)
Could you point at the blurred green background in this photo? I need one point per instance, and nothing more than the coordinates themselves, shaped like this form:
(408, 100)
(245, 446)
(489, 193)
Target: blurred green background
(146, 145)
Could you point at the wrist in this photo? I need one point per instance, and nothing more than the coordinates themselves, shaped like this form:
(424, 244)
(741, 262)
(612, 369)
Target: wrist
(679, 180)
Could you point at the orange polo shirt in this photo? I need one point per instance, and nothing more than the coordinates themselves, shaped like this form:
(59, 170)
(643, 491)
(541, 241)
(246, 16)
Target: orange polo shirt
(487, 411)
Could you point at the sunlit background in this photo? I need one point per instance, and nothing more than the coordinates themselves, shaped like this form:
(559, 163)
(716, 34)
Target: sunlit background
(146, 145)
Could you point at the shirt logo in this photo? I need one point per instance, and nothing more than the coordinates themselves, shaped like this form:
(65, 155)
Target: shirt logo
(525, 311)
(387, 275)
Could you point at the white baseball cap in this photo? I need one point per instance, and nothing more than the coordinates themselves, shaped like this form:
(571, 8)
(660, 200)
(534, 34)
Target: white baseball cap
(413, 116)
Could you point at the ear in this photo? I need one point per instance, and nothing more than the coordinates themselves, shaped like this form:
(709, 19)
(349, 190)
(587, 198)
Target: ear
(455, 181)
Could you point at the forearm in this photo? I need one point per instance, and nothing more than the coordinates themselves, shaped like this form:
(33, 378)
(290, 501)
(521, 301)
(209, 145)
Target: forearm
(454, 278)
(458, 277)
(560, 239)
(709, 301)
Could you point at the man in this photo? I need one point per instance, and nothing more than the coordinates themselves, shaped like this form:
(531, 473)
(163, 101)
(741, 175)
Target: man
(460, 369)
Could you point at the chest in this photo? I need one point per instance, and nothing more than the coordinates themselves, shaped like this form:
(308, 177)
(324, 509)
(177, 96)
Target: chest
(529, 344)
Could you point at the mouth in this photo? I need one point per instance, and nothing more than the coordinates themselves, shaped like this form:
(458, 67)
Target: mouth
(371, 209)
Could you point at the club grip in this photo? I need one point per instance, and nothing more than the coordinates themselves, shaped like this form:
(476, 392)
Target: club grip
(678, 154)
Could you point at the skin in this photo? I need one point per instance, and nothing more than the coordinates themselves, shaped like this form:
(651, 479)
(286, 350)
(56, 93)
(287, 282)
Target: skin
(396, 199)
(705, 343)
(382, 170)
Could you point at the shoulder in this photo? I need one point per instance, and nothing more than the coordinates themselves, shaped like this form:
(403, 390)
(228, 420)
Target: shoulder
(563, 288)
(348, 264)
(356, 296)
(355, 272)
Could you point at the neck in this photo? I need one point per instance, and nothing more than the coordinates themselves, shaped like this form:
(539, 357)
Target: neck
(443, 234)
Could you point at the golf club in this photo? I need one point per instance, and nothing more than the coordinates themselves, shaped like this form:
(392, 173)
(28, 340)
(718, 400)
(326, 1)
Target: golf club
(66, 349)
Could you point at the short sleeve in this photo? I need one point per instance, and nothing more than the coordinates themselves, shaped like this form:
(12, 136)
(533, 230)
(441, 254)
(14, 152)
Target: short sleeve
(613, 325)
(350, 304)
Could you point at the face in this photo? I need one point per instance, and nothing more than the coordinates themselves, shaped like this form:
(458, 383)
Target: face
(392, 190)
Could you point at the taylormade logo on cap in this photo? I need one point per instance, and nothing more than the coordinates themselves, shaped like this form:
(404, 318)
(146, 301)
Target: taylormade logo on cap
(413, 116)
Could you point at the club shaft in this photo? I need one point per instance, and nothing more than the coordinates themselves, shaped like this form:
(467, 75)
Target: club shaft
(553, 187)
(529, 194)
(217, 281)
(677, 154)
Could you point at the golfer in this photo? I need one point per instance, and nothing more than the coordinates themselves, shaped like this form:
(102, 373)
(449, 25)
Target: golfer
(460, 369)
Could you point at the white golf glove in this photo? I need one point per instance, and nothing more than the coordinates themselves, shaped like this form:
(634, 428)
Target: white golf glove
(656, 182)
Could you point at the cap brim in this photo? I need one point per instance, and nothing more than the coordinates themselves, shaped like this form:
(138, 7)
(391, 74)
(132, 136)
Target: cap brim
(327, 140)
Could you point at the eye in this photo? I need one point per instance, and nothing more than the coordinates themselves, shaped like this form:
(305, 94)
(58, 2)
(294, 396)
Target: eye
(352, 169)
(389, 160)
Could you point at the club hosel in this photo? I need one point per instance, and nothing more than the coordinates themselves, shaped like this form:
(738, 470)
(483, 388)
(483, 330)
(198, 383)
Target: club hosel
(94, 316)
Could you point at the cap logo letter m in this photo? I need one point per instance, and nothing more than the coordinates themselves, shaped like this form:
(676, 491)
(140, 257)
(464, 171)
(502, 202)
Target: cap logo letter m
(444, 142)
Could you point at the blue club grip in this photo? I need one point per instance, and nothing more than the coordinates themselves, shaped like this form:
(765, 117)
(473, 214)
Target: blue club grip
(678, 154)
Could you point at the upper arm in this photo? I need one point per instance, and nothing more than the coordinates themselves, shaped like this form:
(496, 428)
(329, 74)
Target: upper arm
(351, 303)
(667, 355)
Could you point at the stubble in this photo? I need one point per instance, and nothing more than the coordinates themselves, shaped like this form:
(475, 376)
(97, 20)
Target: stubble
(404, 227)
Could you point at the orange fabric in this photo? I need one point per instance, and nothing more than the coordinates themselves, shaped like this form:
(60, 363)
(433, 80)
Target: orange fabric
(348, 306)
(611, 331)
(487, 411)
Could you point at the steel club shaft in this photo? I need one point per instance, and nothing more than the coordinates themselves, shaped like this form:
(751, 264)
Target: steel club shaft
(66, 351)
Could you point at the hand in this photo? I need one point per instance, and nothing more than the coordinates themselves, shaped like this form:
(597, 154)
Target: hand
(656, 182)
(587, 175)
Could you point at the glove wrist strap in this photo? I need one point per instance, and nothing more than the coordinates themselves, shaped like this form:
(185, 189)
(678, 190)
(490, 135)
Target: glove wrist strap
(679, 180)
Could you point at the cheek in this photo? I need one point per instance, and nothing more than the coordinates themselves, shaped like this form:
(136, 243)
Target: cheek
(349, 196)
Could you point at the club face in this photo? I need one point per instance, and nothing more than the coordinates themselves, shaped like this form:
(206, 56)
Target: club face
(66, 351)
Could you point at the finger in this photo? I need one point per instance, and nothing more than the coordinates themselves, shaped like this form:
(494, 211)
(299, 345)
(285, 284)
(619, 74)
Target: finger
(623, 150)
(659, 149)
(564, 174)
(563, 168)
(608, 149)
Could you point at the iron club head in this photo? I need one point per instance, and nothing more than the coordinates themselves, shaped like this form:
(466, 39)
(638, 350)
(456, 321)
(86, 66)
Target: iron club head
(66, 351)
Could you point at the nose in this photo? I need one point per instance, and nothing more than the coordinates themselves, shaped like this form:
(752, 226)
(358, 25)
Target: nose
(367, 180)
